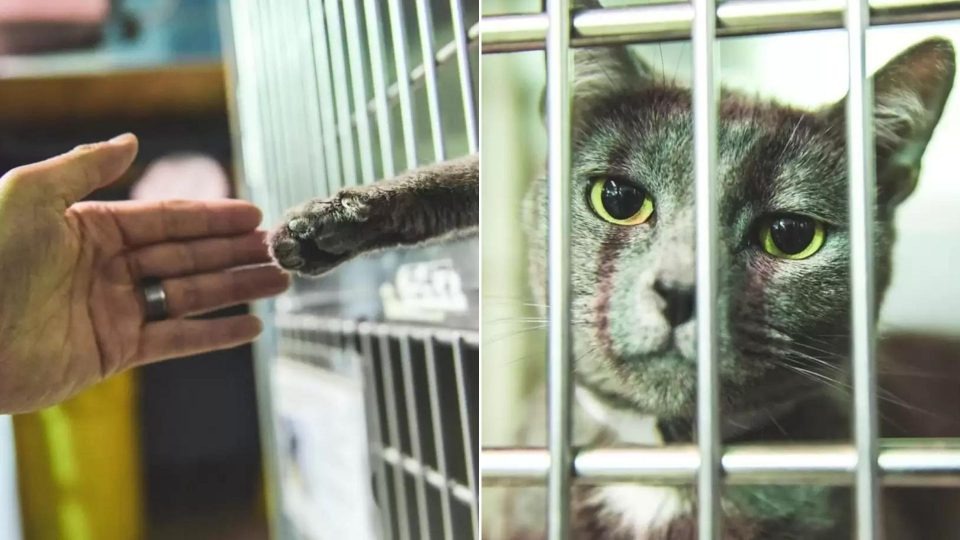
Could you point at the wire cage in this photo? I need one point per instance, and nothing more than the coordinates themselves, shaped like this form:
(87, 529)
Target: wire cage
(867, 462)
(328, 94)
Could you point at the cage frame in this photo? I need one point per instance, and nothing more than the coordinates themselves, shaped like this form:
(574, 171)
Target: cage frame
(279, 136)
(867, 462)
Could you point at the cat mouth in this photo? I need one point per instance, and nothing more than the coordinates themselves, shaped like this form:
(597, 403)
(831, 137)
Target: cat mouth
(679, 344)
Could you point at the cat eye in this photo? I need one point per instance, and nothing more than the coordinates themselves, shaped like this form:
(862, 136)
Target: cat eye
(620, 202)
(792, 236)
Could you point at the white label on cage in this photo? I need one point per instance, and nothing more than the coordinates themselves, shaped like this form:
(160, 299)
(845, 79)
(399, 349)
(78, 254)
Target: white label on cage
(424, 291)
(323, 449)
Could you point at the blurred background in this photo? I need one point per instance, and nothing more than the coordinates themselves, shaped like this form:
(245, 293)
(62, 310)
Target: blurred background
(919, 325)
(171, 450)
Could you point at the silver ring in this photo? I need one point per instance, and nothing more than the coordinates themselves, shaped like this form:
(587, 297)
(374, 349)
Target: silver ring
(154, 300)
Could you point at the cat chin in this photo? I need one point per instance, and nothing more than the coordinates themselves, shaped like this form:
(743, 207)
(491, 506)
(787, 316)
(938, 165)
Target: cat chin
(663, 386)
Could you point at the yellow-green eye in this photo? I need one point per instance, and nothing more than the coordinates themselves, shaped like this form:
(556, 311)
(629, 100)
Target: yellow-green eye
(620, 202)
(792, 236)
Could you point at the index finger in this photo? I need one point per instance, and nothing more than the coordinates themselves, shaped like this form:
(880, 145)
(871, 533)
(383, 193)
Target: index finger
(150, 222)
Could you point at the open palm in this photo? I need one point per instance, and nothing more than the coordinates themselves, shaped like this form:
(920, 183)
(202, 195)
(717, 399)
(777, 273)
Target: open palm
(71, 305)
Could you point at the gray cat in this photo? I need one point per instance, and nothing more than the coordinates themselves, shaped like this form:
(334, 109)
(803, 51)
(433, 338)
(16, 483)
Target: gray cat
(784, 288)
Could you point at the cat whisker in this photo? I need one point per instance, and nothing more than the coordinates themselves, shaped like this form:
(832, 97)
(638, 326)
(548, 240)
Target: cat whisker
(663, 72)
(883, 394)
(918, 374)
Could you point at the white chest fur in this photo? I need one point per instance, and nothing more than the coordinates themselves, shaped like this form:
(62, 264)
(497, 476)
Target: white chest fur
(633, 508)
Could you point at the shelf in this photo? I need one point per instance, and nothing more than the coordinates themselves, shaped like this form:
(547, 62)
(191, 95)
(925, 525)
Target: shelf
(178, 90)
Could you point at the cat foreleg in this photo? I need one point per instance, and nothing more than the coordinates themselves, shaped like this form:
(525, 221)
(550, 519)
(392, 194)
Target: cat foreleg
(424, 205)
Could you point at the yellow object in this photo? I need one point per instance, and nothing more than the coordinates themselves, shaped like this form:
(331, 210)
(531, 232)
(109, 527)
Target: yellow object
(636, 205)
(79, 466)
(813, 246)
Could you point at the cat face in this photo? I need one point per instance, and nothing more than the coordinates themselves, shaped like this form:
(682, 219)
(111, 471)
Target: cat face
(784, 239)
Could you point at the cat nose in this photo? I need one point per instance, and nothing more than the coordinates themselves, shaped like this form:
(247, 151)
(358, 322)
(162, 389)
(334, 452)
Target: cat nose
(680, 301)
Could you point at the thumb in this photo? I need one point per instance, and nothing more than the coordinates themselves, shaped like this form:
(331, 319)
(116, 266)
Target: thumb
(79, 172)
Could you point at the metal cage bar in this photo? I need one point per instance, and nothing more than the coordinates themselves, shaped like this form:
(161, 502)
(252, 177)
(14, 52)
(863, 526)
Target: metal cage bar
(468, 443)
(358, 86)
(901, 463)
(296, 146)
(318, 170)
(9, 499)
(324, 96)
(393, 425)
(267, 118)
(861, 184)
(427, 45)
(413, 426)
(435, 419)
(376, 429)
(401, 62)
(333, 32)
(559, 384)
(379, 68)
(865, 464)
(401, 463)
(705, 86)
(672, 21)
(466, 78)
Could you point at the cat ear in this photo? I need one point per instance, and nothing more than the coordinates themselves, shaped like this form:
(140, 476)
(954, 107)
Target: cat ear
(602, 71)
(599, 72)
(910, 92)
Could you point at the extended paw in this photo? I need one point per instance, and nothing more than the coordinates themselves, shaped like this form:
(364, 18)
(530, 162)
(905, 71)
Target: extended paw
(323, 233)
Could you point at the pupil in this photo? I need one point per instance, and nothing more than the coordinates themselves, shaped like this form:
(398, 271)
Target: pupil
(792, 235)
(621, 200)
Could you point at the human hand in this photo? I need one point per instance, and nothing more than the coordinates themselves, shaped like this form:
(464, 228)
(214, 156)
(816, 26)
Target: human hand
(71, 303)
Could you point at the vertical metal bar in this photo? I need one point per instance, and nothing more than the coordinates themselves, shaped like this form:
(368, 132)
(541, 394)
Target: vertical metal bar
(468, 442)
(358, 83)
(431, 359)
(425, 20)
(414, 427)
(316, 158)
(341, 94)
(249, 135)
(466, 76)
(861, 174)
(253, 148)
(399, 34)
(393, 428)
(276, 66)
(707, 262)
(295, 77)
(325, 97)
(374, 23)
(376, 433)
(558, 274)
(264, 92)
(9, 503)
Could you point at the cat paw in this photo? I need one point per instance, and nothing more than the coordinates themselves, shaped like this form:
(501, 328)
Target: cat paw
(322, 233)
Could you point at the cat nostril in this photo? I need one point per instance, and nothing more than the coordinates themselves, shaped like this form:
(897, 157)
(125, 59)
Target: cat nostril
(680, 301)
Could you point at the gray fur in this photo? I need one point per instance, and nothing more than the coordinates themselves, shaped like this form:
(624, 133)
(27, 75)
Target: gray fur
(424, 205)
(783, 323)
